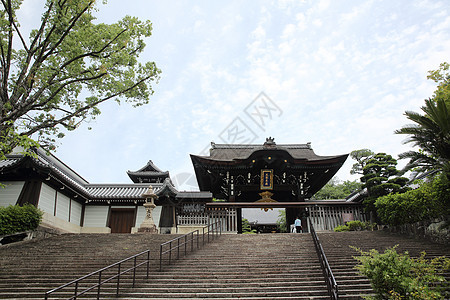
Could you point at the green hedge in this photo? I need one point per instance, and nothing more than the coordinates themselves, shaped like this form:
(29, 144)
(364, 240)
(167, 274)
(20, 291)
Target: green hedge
(430, 200)
(16, 218)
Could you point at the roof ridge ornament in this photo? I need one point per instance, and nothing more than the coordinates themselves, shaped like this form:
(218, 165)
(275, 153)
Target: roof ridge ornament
(270, 142)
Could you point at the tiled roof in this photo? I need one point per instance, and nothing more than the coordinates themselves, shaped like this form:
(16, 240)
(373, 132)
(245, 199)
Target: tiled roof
(149, 173)
(117, 191)
(10, 160)
(62, 173)
(166, 188)
(243, 151)
(149, 168)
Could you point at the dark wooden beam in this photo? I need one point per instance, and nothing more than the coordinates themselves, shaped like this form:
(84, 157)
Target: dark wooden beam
(277, 204)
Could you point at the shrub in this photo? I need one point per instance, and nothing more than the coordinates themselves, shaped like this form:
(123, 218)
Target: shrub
(355, 226)
(398, 276)
(19, 218)
(341, 228)
(430, 200)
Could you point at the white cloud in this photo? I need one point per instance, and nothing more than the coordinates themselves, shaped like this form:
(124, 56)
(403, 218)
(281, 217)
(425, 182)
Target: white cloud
(342, 72)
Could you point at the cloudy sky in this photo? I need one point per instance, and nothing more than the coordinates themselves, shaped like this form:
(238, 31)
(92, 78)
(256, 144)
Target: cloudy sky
(338, 74)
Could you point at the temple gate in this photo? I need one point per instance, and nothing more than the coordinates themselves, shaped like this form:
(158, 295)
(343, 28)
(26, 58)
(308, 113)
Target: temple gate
(269, 175)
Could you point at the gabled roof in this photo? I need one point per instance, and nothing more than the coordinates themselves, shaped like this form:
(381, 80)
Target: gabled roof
(149, 173)
(242, 160)
(229, 152)
(50, 169)
(167, 189)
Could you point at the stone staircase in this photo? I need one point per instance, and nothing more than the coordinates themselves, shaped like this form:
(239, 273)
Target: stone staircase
(340, 256)
(264, 266)
(30, 268)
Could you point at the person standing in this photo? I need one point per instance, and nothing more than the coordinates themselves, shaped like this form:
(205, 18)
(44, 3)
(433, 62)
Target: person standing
(298, 225)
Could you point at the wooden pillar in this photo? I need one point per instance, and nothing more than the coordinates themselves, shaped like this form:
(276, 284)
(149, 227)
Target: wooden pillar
(239, 219)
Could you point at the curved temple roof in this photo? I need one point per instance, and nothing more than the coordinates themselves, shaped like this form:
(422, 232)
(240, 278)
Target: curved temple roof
(233, 152)
(247, 160)
(149, 173)
(51, 169)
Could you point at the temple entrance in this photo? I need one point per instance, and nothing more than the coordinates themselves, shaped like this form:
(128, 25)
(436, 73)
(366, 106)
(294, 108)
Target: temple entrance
(121, 220)
(270, 176)
(293, 209)
(324, 215)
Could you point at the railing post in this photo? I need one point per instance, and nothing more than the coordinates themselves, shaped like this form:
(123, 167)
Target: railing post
(118, 280)
(75, 293)
(170, 252)
(160, 258)
(178, 249)
(203, 236)
(148, 262)
(134, 271)
(99, 284)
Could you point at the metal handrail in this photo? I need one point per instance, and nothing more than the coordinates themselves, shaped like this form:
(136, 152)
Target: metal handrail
(212, 230)
(327, 273)
(100, 281)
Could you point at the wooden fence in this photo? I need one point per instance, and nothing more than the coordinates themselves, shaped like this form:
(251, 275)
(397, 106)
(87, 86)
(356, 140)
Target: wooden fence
(227, 217)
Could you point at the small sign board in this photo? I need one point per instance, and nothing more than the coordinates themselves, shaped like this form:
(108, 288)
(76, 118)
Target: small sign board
(347, 217)
(266, 179)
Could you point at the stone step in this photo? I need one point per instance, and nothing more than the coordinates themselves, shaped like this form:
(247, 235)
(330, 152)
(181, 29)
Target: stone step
(282, 266)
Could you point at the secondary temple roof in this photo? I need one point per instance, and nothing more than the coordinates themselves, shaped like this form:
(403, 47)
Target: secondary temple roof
(54, 172)
(149, 173)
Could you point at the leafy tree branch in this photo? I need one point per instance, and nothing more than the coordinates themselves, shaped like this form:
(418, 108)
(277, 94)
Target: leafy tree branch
(69, 65)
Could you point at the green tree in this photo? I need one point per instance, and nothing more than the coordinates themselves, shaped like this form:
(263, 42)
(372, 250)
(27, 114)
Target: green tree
(431, 134)
(442, 77)
(361, 156)
(56, 78)
(335, 189)
(246, 228)
(281, 221)
(379, 177)
(351, 186)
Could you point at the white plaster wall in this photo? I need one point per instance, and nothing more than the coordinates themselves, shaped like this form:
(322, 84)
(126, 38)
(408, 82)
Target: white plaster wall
(62, 207)
(10, 193)
(156, 214)
(95, 216)
(47, 199)
(75, 213)
(140, 216)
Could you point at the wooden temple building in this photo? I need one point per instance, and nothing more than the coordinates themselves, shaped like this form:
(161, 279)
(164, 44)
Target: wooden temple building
(72, 204)
(233, 177)
(272, 176)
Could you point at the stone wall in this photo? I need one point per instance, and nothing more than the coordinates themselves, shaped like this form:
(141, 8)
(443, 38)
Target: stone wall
(437, 230)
